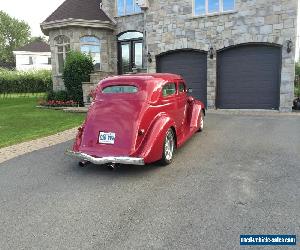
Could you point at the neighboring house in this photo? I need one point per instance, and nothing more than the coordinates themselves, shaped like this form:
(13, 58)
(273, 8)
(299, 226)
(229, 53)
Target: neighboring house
(33, 56)
(233, 53)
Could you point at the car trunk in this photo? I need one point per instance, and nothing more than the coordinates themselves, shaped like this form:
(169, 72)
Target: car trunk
(116, 115)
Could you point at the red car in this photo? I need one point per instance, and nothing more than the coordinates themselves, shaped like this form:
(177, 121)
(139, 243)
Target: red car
(138, 119)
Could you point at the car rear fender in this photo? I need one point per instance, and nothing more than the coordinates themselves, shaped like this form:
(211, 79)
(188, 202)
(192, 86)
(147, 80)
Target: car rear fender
(197, 106)
(152, 146)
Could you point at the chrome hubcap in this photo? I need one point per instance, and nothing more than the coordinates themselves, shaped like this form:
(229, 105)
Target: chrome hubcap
(201, 122)
(169, 146)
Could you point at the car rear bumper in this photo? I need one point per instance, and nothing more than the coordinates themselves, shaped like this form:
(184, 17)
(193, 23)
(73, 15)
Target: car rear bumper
(106, 160)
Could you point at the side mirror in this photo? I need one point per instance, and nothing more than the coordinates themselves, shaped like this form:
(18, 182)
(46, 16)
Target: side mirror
(190, 90)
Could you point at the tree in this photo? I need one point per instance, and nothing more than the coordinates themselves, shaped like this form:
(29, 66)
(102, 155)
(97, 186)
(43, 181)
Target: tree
(77, 69)
(13, 34)
(38, 39)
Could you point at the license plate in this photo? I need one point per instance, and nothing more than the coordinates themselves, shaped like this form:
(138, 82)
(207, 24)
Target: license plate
(107, 138)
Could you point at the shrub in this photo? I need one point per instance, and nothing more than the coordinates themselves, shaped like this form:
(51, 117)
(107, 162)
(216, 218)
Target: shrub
(25, 82)
(77, 68)
(58, 96)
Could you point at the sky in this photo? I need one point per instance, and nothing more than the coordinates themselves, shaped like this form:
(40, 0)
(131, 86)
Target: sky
(32, 12)
(35, 12)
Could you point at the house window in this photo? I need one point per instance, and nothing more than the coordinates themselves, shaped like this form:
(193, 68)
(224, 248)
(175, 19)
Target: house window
(206, 7)
(30, 60)
(62, 44)
(90, 45)
(49, 60)
(127, 7)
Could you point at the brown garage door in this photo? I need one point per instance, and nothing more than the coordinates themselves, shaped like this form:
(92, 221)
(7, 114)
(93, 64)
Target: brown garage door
(249, 77)
(191, 65)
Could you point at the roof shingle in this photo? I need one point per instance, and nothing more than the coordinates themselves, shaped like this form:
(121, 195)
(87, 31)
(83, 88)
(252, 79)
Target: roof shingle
(79, 9)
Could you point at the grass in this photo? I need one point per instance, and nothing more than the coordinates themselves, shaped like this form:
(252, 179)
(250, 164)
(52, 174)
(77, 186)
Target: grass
(21, 121)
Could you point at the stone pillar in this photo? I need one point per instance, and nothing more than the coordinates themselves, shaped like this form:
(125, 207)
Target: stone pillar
(211, 81)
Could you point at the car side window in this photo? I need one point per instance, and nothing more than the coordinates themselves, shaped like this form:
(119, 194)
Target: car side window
(169, 89)
(181, 87)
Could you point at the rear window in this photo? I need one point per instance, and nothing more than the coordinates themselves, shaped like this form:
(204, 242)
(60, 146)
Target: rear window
(120, 89)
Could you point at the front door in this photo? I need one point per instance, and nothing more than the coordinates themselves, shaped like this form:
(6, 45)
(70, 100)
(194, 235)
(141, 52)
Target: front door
(130, 52)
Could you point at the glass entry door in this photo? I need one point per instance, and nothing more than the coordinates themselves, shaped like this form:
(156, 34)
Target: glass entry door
(130, 52)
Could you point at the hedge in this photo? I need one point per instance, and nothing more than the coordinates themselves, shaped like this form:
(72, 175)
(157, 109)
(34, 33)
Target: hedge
(25, 82)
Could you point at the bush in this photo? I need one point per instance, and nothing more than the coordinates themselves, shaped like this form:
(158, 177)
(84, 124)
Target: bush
(77, 69)
(25, 82)
(58, 96)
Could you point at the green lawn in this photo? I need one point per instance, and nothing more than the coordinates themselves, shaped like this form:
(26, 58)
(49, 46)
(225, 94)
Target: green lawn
(21, 121)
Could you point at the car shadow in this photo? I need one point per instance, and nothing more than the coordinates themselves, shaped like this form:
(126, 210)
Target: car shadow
(119, 170)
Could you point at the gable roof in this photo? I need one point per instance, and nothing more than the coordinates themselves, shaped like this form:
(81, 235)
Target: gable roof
(79, 9)
(36, 46)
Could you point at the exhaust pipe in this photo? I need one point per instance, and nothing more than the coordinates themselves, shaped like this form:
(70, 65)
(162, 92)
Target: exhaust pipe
(83, 164)
(111, 166)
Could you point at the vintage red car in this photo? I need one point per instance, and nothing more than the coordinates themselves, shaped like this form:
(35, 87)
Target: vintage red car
(138, 119)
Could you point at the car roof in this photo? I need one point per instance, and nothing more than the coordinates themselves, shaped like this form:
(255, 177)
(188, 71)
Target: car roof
(145, 77)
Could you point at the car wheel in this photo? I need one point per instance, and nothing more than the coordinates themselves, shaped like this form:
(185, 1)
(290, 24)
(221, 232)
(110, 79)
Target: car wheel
(169, 148)
(201, 121)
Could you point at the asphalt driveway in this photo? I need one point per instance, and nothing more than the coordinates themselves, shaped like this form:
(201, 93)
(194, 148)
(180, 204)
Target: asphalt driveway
(240, 176)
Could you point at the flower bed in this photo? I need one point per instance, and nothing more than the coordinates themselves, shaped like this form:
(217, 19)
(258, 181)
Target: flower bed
(56, 103)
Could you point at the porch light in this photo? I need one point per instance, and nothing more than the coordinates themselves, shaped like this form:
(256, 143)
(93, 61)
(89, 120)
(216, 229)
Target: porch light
(211, 52)
(289, 46)
(149, 56)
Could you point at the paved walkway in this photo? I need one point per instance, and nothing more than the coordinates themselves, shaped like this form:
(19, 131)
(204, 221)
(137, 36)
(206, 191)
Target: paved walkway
(30, 146)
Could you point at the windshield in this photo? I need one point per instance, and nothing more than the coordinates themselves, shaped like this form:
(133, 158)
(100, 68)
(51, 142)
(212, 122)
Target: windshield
(120, 89)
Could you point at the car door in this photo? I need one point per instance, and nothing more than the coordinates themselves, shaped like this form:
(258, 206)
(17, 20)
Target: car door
(181, 104)
(169, 104)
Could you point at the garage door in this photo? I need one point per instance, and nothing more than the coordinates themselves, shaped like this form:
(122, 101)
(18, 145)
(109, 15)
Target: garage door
(191, 65)
(249, 77)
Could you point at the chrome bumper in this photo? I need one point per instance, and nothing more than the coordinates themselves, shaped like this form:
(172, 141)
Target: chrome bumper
(106, 160)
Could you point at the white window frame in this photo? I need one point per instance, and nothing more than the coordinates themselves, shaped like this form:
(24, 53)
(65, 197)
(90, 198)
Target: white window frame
(64, 52)
(221, 10)
(124, 10)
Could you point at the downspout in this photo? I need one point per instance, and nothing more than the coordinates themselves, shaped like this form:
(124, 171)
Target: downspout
(146, 40)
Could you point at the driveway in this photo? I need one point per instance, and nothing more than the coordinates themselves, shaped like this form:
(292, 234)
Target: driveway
(240, 176)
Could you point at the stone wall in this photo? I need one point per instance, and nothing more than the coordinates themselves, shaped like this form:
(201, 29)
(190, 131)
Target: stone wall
(107, 41)
(170, 25)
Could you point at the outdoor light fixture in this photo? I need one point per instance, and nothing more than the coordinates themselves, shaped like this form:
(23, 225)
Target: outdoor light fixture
(289, 46)
(149, 57)
(211, 52)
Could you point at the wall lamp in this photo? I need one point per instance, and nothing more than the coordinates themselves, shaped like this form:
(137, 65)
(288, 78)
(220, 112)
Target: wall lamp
(211, 52)
(149, 56)
(289, 44)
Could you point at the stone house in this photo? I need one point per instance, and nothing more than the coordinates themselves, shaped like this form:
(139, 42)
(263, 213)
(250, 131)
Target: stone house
(235, 54)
